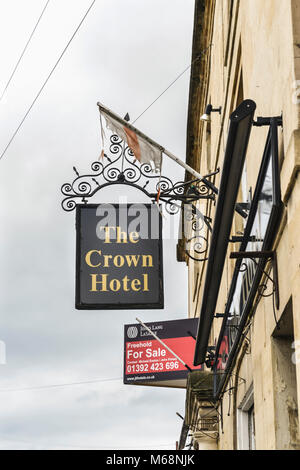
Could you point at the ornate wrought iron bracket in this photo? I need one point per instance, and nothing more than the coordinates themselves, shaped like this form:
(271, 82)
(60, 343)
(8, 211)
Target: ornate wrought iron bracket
(267, 255)
(121, 168)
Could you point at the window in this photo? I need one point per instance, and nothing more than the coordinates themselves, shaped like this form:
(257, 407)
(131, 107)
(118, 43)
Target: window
(285, 383)
(246, 422)
(251, 429)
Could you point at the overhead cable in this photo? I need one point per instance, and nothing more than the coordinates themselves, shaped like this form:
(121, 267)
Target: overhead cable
(46, 81)
(24, 50)
(174, 81)
(68, 384)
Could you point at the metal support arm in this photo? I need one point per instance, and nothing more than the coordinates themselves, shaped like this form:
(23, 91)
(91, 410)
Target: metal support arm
(263, 255)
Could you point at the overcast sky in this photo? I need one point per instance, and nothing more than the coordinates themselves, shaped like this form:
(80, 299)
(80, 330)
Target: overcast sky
(125, 54)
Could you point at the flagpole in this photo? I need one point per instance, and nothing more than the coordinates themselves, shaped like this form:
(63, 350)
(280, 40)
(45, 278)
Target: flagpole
(191, 170)
(155, 144)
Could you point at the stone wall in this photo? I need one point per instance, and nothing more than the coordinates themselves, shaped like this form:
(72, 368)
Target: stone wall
(255, 54)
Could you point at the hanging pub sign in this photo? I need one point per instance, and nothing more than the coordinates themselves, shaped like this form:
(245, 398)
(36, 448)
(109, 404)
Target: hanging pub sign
(119, 256)
(161, 358)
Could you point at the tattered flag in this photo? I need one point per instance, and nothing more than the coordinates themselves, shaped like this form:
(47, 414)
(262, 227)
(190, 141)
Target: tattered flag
(143, 149)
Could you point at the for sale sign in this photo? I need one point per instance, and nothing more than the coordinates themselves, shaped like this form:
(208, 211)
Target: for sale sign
(162, 360)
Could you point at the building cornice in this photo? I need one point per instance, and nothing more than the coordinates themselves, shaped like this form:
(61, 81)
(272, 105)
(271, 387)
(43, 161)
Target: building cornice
(202, 35)
(201, 47)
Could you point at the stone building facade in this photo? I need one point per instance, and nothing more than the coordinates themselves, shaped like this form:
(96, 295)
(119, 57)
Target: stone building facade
(248, 50)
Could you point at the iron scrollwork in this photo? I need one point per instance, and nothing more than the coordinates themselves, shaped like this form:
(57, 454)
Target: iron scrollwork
(121, 167)
(197, 244)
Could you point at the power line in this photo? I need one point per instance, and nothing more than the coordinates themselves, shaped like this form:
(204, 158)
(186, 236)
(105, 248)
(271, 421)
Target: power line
(46, 81)
(38, 445)
(24, 50)
(174, 81)
(77, 446)
(68, 384)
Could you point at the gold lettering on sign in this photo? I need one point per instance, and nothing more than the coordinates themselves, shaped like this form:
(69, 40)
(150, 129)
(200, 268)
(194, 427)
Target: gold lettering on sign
(133, 237)
(101, 282)
(88, 258)
(146, 261)
(117, 235)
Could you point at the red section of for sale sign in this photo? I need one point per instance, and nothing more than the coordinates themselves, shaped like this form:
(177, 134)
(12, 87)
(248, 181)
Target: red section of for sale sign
(151, 356)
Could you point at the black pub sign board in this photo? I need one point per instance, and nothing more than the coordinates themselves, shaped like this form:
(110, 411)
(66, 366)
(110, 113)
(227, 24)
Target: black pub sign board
(119, 261)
